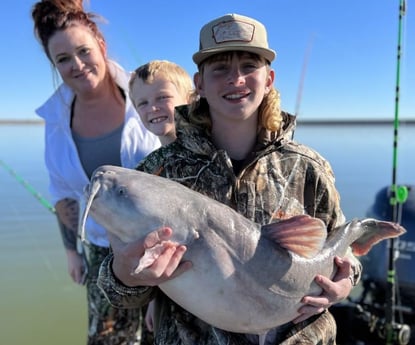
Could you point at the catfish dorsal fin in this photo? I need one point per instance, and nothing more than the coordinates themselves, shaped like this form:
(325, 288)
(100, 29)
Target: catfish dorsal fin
(302, 235)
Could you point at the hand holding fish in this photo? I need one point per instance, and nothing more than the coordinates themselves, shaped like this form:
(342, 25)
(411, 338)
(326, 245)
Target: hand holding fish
(76, 266)
(163, 265)
(334, 291)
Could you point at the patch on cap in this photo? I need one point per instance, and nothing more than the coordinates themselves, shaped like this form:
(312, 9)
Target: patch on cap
(233, 31)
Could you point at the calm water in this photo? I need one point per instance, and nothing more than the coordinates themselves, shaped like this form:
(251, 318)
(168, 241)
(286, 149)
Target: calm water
(39, 303)
(361, 157)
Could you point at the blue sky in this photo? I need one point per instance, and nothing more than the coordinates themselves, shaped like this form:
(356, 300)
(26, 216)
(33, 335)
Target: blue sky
(349, 49)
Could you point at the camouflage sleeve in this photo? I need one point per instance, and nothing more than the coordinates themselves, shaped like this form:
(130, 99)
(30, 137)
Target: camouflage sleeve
(119, 295)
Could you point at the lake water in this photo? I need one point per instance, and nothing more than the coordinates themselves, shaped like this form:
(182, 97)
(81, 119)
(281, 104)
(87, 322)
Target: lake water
(39, 303)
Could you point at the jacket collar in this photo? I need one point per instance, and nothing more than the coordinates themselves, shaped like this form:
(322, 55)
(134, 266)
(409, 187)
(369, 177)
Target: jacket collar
(198, 141)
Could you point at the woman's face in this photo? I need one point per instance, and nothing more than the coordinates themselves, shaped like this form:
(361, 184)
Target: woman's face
(79, 58)
(234, 86)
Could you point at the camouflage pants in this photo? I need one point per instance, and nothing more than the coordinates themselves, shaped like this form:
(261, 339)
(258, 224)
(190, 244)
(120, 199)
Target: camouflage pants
(108, 325)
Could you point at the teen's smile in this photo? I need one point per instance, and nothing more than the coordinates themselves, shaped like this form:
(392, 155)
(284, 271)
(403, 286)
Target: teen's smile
(235, 96)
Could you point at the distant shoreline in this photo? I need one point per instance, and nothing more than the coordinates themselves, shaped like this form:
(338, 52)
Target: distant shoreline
(21, 122)
(317, 122)
(359, 122)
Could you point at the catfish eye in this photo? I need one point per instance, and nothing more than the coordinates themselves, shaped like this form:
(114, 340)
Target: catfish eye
(122, 191)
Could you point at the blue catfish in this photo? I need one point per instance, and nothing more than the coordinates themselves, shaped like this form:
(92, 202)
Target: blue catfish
(245, 277)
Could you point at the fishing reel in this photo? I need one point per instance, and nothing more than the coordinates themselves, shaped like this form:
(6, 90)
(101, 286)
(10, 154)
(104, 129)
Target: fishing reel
(398, 334)
(372, 313)
(369, 326)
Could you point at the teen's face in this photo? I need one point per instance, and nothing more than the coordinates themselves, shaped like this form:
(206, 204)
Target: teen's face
(155, 103)
(234, 86)
(79, 58)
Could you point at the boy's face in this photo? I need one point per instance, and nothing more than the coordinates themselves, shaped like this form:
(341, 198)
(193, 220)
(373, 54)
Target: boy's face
(155, 103)
(234, 85)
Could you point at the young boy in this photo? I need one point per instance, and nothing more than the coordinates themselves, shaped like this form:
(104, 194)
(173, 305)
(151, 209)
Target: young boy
(156, 88)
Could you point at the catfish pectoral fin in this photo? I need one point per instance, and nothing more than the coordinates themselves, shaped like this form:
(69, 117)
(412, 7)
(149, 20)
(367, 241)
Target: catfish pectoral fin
(302, 235)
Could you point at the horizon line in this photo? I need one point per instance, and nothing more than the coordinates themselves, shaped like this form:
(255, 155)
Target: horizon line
(315, 121)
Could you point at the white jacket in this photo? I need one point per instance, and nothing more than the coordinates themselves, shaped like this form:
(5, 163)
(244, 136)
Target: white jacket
(67, 177)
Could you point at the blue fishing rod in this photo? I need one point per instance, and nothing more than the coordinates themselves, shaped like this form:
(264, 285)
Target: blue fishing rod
(398, 196)
(28, 187)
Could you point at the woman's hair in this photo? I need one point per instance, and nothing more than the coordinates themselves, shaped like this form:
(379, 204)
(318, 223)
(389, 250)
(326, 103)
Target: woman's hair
(168, 70)
(50, 16)
(269, 111)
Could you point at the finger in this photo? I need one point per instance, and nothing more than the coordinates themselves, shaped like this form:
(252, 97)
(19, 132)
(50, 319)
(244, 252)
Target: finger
(328, 286)
(344, 268)
(312, 305)
(73, 276)
(321, 301)
(167, 262)
(306, 313)
(157, 236)
(77, 276)
(301, 318)
(167, 266)
(176, 266)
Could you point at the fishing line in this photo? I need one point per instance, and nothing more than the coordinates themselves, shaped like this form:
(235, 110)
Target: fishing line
(130, 46)
(44, 202)
(28, 187)
(399, 194)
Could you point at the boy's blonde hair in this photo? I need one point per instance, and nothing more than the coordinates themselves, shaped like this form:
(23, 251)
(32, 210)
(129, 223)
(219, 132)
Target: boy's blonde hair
(168, 70)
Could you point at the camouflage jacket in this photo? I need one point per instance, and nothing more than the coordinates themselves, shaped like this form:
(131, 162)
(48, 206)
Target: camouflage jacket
(280, 178)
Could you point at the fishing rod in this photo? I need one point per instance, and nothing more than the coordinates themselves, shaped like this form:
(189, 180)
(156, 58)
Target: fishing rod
(398, 196)
(302, 77)
(28, 187)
